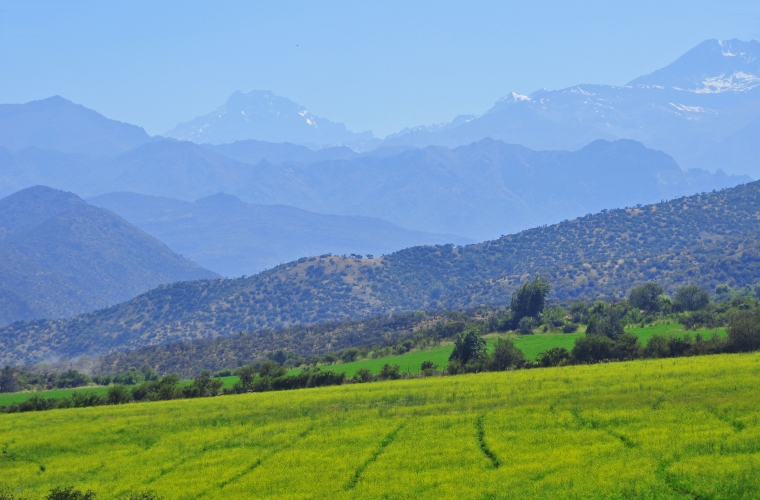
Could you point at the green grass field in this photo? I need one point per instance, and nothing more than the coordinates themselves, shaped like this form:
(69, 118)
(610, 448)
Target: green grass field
(531, 345)
(673, 429)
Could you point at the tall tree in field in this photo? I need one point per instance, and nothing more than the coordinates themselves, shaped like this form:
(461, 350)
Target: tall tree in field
(529, 300)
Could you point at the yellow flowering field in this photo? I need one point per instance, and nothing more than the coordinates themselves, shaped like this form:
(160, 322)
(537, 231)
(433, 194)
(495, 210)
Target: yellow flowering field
(668, 428)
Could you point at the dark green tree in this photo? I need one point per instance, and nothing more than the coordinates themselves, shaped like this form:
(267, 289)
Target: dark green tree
(691, 298)
(505, 356)
(530, 299)
(9, 380)
(626, 347)
(646, 297)
(555, 356)
(744, 332)
(118, 394)
(246, 374)
(607, 322)
(592, 349)
(468, 345)
(389, 372)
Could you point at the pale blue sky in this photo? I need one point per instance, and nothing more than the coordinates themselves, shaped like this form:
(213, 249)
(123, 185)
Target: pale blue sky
(380, 66)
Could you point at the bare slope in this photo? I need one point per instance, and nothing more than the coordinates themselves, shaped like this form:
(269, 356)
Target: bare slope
(705, 239)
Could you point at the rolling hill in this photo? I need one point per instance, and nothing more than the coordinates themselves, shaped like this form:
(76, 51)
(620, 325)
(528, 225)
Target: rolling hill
(235, 238)
(60, 257)
(705, 239)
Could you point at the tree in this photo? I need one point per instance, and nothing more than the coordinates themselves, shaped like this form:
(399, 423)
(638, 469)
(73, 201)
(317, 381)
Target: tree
(506, 356)
(389, 372)
(646, 297)
(363, 375)
(555, 356)
(626, 347)
(118, 394)
(9, 380)
(271, 369)
(530, 299)
(592, 349)
(691, 298)
(607, 322)
(246, 374)
(204, 385)
(744, 332)
(468, 345)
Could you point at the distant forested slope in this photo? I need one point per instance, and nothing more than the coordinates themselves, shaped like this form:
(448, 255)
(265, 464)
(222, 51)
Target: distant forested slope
(60, 257)
(704, 239)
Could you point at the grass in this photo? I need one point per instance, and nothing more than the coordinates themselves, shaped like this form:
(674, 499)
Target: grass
(667, 429)
(530, 345)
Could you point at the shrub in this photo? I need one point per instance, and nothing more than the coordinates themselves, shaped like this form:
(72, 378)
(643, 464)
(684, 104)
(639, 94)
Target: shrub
(389, 372)
(570, 328)
(608, 323)
(744, 332)
(657, 347)
(428, 365)
(555, 356)
(505, 356)
(363, 375)
(592, 349)
(118, 394)
(626, 347)
(69, 493)
(526, 325)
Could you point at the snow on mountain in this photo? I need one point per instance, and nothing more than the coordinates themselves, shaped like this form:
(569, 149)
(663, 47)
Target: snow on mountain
(687, 109)
(262, 115)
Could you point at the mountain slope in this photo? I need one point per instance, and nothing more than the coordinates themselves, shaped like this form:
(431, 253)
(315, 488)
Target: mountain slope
(478, 191)
(704, 239)
(685, 110)
(264, 116)
(60, 257)
(482, 190)
(57, 123)
(234, 238)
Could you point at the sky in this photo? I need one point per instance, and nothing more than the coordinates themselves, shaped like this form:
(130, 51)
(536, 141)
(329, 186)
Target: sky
(378, 66)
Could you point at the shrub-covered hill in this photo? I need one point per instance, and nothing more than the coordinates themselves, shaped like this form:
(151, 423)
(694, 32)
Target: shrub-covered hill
(60, 257)
(704, 239)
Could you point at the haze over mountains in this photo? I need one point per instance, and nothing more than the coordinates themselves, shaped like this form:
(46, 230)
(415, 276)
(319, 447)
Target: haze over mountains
(704, 239)
(235, 238)
(60, 257)
(702, 109)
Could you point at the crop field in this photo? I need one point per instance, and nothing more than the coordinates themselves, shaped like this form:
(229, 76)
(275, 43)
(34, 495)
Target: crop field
(669, 428)
(530, 345)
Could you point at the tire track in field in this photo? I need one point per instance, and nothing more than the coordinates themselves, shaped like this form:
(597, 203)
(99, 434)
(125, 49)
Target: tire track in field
(481, 434)
(256, 463)
(379, 451)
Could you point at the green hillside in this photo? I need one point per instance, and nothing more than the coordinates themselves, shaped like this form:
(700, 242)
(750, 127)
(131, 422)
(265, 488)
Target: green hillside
(671, 429)
(706, 239)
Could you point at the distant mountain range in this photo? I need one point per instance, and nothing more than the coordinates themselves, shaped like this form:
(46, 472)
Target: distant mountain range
(60, 257)
(264, 116)
(57, 123)
(703, 109)
(478, 191)
(705, 239)
(235, 238)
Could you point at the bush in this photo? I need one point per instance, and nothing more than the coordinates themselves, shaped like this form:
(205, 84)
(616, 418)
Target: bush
(69, 493)
(389, 372)
(505, 356)
(556, 356)
(428, 365)
(363, 375)
(657, 347)
(569, 328)
(608, 323)
(118, 394)
(744, 332)
(592, 349)
(526, 325)
(626, 347)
